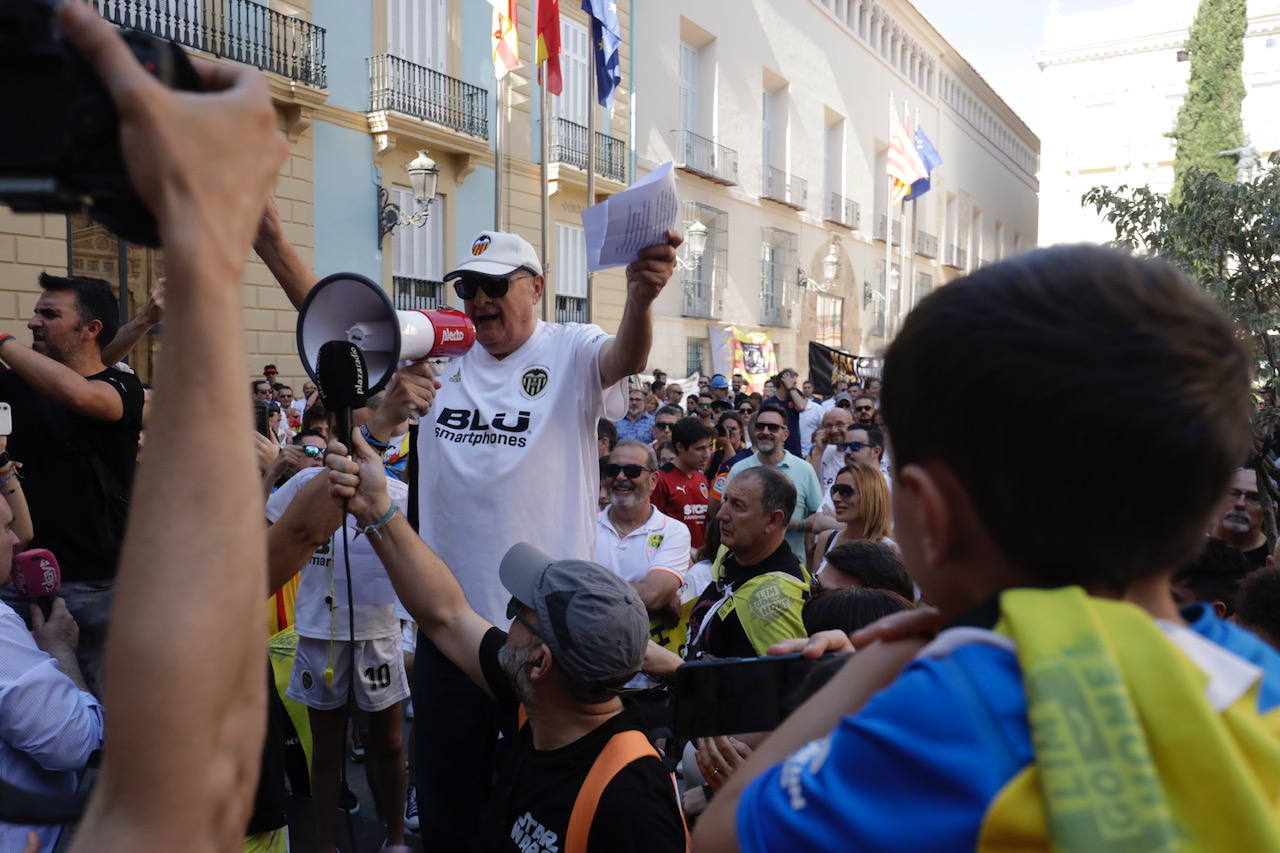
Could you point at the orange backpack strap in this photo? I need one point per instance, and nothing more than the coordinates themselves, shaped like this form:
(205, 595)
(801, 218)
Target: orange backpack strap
(622, 749)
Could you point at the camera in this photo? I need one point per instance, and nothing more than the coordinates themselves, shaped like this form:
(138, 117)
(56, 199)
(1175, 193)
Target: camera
(61, 153)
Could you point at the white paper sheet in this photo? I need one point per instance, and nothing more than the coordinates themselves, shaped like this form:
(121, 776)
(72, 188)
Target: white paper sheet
(639, 216)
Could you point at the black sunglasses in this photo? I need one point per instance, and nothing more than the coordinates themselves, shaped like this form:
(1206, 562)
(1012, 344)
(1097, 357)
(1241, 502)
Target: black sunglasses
(840, 490)
(513, 613)
(663, 425)
(312, 451)
(863, 408)
(632, 472)
(769, 427)
(852, 446)
(494, 287)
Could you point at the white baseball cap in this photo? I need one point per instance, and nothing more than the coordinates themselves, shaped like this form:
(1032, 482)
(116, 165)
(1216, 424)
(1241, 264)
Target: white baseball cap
(498, 253)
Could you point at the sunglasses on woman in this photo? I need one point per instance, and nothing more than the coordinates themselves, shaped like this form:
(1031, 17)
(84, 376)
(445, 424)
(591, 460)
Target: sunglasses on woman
(494, 287)
(842, 491)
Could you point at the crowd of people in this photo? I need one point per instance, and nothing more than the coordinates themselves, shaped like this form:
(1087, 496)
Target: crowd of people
(1006, 649)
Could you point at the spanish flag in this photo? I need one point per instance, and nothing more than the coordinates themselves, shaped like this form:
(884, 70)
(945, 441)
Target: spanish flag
(549, 46)
(506, 41)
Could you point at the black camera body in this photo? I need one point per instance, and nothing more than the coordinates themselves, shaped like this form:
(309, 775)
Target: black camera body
(60, 152)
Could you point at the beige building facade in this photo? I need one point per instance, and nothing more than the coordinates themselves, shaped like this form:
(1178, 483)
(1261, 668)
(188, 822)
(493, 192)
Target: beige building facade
(777, 116)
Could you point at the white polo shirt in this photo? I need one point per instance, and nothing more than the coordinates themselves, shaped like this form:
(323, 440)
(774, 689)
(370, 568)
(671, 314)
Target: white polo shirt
(662, 542)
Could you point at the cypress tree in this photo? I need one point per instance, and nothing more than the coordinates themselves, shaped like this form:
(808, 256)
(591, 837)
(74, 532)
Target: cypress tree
(1209, 120)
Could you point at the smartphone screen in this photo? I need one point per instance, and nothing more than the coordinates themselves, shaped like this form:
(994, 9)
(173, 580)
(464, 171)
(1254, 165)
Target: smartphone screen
(736, 695)
(6, 419)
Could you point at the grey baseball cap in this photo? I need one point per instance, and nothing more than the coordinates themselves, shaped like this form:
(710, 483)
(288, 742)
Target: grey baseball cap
(592, 619)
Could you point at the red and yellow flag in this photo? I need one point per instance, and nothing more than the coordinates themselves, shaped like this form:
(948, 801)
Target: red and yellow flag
(549, 46)
(506, 41)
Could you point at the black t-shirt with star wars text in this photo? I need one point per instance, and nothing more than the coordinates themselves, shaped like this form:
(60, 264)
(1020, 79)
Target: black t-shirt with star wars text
(536, 789)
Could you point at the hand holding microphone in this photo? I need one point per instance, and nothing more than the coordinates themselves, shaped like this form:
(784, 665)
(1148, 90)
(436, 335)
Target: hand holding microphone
(37, 577)
(58, 633)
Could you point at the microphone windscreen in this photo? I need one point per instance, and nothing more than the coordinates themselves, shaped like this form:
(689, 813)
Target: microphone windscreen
(36, 573)
(342, 376)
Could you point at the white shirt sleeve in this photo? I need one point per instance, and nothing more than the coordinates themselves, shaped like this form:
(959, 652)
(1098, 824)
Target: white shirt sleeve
(673, 553)
(611, 402)
(42, 712)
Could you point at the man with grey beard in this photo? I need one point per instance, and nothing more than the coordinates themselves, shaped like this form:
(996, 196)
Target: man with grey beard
(634, 540)
(1240, 522)
(578, 634)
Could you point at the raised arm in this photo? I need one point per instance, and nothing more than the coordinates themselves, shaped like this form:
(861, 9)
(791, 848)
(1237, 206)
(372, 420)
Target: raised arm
(193, 566)
(424, 584)
(306, 525)
(646, 276)
(88, 397)
(291, 271)
(131, 332)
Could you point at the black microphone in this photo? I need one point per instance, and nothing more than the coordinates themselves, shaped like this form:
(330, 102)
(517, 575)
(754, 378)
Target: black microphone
(343, 380)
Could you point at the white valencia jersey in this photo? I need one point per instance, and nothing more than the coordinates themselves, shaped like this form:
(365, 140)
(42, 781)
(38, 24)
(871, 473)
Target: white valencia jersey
(508, 454)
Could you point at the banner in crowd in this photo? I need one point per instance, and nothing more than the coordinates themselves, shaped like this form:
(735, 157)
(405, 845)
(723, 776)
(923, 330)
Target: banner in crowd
(748, 353)
(828, 366)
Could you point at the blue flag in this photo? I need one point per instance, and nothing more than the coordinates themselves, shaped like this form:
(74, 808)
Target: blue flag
(607, 42)
(932, 160)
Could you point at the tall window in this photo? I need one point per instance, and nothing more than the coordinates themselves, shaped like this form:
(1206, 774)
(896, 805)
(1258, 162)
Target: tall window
(923, 286)
(416, 32)
(830, 321)
(975, 241)
(833, 154)
(417, 262)
(571, 274)
(695, 355)
(778, 266)
(704, 281)
(575, 42)
(689, 112)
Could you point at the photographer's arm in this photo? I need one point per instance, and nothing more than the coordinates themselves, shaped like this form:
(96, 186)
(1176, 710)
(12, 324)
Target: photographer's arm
(91, 398)
(291, 271)
(423, 583)
(131, 332)
(181, 773)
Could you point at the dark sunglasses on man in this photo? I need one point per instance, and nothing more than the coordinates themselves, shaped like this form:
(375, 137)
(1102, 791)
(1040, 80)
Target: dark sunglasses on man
(760, 427)
(632, 472)
(663, 425)
(852, 446)
(468, 284)
(863, 408)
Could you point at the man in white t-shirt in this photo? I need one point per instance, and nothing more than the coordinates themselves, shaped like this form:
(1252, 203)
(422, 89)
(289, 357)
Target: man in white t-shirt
(322, 669)
(506, 453)
(634, 540)
(826, 457)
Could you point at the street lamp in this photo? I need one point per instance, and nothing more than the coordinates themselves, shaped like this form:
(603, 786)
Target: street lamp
(830, 269)
(695, 237)
(424, 174)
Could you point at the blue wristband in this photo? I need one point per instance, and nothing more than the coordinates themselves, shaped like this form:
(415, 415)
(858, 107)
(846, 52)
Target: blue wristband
(373, 442)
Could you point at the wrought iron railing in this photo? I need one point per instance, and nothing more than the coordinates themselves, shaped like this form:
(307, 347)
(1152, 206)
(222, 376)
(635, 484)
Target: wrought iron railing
(843, 211)
(703, 157)
(777, 185)
(241, 30)
(882, 222)
(406, 87)
(926, 244)
(571, 309)
(417, 293)
(569, 146)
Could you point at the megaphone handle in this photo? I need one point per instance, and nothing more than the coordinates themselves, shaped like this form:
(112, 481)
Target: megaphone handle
(342, 421)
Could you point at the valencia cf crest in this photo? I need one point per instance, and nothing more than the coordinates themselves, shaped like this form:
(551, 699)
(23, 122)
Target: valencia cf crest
(534, 381)
(307, 680)
(481, 244)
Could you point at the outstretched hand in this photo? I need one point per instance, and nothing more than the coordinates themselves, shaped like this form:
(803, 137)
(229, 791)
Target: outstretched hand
(360, 481)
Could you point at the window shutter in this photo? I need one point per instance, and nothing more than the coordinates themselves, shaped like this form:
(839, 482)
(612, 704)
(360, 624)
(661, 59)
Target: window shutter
(571, 268)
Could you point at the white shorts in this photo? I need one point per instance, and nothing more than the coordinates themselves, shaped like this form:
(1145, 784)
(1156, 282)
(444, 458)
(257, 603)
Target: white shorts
(380, 663)
(408, 636)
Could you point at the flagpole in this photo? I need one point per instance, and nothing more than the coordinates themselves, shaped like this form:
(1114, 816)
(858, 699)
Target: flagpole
(904, 277)
(591, 159)
(544, 111)
(498, 135)
(888, 225)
